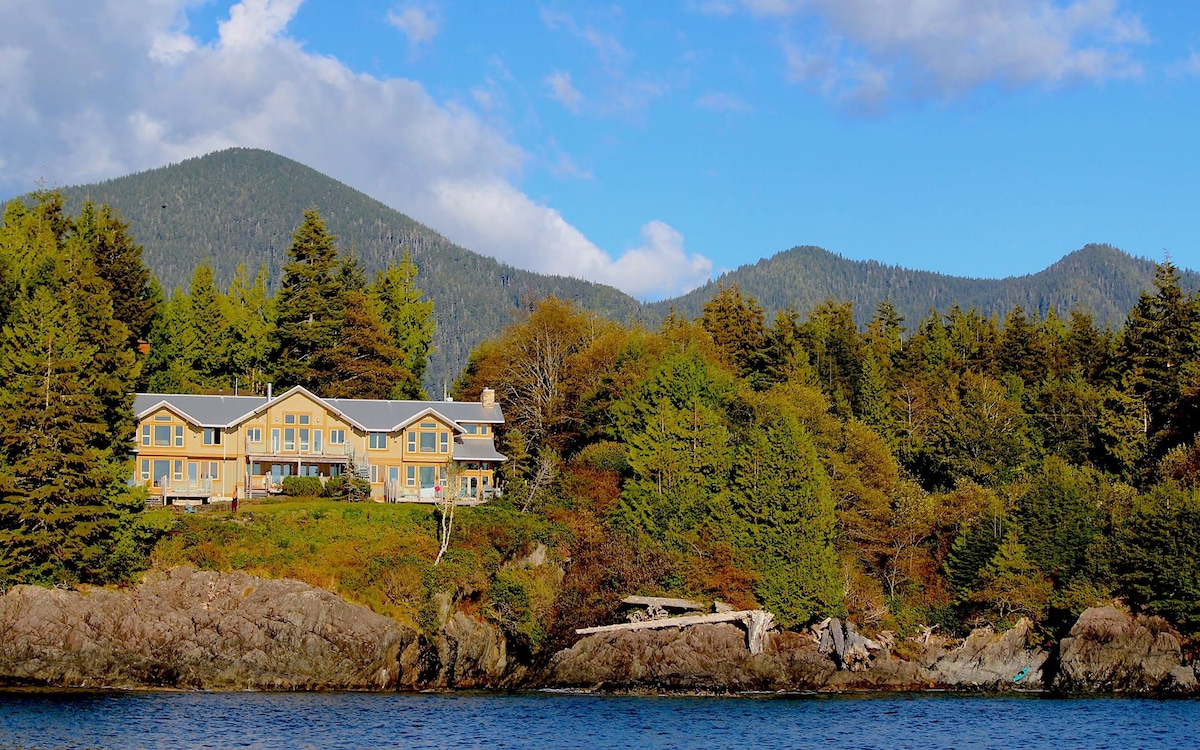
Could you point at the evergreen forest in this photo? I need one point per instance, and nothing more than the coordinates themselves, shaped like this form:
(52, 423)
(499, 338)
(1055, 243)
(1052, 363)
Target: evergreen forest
(238, 207)
(953, 470)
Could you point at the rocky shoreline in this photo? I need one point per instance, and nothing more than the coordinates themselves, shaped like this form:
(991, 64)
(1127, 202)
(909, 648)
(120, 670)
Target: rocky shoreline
(189, 629)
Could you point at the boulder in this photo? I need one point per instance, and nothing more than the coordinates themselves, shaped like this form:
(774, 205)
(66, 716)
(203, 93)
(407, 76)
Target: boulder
(708, 657)
(987, 660)
(465, 653)
(197, 629)
(1110, 651)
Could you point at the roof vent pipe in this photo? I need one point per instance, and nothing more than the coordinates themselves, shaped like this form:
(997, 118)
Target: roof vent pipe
(268, 391)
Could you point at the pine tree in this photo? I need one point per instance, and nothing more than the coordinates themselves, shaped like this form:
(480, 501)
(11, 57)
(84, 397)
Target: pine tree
(409, 319)
(251, 325)
(67, 373)
(310, 305)
(363, 363)
(781, 492)
(736, 326)
(678, 445)
(1160, 347)
(209, 318)
(136, 296)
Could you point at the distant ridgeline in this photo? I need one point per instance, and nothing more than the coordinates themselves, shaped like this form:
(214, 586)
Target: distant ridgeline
(1098, 279)
(242, 205)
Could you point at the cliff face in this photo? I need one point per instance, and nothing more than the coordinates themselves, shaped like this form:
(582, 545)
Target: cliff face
(192, 629)
(196, 629)
(1107, 651)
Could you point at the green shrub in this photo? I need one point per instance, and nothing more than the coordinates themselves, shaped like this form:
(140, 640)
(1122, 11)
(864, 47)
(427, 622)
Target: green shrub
(605, 456)
(302, 486)
(346, 487)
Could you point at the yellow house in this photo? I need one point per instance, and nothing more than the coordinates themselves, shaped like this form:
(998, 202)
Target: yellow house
(202, 448)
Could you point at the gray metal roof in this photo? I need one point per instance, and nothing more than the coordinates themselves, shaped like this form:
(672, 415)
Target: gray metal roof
(206, 411)
(476, 449)
(388, 415)
(372, 415)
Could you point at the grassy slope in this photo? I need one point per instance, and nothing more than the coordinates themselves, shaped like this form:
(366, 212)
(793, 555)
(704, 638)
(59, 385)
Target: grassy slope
(378, 555)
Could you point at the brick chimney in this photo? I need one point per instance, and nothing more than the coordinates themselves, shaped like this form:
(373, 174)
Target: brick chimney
(487, 398)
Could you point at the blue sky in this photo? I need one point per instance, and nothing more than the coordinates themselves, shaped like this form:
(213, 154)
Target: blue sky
(651, 145)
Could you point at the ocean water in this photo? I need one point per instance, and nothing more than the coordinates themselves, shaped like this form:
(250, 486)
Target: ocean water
(86, 719)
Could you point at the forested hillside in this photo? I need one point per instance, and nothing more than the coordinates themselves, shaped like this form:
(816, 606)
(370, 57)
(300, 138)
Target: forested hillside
(1098, 279)
(242, 205)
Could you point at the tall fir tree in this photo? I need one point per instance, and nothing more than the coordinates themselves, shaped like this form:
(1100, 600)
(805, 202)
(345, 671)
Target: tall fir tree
(310, 305)
(409, 319)
(136, 296)
(363, 363)
(67, 371)
(782, 494)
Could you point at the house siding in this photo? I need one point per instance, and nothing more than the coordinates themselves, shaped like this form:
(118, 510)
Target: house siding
(295, 434)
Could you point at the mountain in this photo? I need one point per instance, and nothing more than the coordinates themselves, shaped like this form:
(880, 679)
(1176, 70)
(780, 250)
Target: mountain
(1099, 279)
(242, 205)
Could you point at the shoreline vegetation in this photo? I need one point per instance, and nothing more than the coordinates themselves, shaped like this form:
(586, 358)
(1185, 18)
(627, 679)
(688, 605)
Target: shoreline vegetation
(928, 482)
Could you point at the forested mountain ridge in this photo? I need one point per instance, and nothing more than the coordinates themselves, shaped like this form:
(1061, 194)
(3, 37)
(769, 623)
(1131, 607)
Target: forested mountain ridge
(1099, 279)
(242, 205)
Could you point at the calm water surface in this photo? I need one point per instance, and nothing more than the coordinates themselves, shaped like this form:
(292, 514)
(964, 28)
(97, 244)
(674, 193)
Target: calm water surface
(349, 720)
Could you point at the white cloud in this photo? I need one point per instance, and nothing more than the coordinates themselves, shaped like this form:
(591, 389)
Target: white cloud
(660, 266)
(255, 23)
(618, 89)
(419, 24)
(1189, 66)
(718, 101)
(563, 91)
(93, 91)
(867, 50)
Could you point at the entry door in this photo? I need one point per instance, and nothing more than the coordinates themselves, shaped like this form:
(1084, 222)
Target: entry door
(193, 474)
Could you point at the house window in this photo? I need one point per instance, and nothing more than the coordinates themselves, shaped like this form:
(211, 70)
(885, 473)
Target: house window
(377, 441)
(412, 442)
(289, 419)
(429, 425)
(471, 429)
(305, 419)
(483, 429)
(254, 434)
(316, 441)
(445, 440)
(337, 437)
(178, 471)
(304, 435)
(289, 438)
(162, 434)
(163, 418)
(274, 439)
(411, 477)
(212, 436)
(178, 436)
(428, 442)
(374, 472)
(210, 470)
(145, 469)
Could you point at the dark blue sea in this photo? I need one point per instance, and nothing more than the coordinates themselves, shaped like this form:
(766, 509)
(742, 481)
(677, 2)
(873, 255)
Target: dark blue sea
(57, 719)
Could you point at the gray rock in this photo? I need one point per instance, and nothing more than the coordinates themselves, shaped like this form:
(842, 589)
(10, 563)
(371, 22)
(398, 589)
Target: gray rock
(1181, 680)
(987, 660)
(197, 629)
(709, 657)
(466, 653)
(1110, 651)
